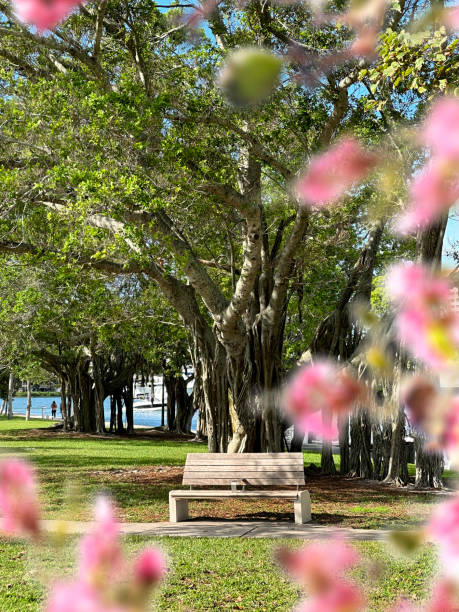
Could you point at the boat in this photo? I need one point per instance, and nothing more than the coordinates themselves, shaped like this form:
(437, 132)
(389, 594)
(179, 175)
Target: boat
(142, 400)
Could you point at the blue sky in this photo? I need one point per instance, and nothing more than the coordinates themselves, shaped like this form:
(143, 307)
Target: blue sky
(451, 236)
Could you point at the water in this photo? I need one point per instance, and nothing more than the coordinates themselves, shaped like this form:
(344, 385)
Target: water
(149, 418)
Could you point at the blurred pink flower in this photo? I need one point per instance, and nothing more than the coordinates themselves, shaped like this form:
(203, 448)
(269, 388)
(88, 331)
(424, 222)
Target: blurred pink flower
(317, 394)
(404, 605)
(366, 19)
(344, 596)
(100, 551)
(364, 45)
(319, 568)
(413, 284)
(430, 337)
(436, 413)
(443, 426)
(452, 17)
(102, 582)
(443, 527)
(444, 597)
(316, 566)
(333, 172)
(77, 597)
(418, 394)
(44, 14)
(425, 321)
(149, 567)
(19, 505)
(433, 191)
(441, 127)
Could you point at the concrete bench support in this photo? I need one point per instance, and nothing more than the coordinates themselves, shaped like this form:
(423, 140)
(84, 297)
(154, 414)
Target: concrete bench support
(302, 507)
(178, 509)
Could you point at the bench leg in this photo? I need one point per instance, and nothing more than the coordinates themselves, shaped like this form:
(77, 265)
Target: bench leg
(178, 509)
(302, 506)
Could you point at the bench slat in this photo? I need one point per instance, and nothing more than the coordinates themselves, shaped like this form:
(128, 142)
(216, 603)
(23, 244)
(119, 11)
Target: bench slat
(240, 464)
(242, 480)
(232, 469)
(243, 458)
(202, 494)
(276, 456)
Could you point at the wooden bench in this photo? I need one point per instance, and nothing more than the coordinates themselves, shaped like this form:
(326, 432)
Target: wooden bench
(233, 470)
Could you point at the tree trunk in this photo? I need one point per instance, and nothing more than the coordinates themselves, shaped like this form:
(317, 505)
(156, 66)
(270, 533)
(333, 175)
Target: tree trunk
(215, 391)
(344, 445)
(255, 377)
(29, 400)
(128, 396)
(296, 445)
(429, 466)
(64, 403)
(381, 449)
(184, 403)
(397, 469)
(119, 413)
(354, 461)
(387, 444)
(112, 413)
(327, 463)
(366, 466)
(98, 393)
(10, 395)
(199, 405)
(169, 382)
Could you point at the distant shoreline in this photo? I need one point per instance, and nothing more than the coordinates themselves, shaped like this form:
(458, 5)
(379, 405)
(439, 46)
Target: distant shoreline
(38, 394)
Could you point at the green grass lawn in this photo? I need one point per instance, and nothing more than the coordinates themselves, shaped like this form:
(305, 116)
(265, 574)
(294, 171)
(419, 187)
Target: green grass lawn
(139, 473)
(215, 574)
(207, 574)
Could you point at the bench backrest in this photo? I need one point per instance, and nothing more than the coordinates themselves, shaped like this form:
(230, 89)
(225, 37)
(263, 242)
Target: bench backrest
(275, 469)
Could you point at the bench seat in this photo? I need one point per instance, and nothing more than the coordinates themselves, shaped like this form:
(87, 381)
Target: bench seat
(262, 469)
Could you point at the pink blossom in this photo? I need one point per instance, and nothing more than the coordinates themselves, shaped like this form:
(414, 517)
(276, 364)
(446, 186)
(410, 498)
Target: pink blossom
(441, 127)
(332, 173)
(414, 284)
(149, 567)
(344, 596)
(430, 337)
(418, 394)
(437, 414)
(425, 321)
(364, 45)
(433, 191)
(448, 435)
(443, 526)
(78, 597)
(317, 565)
(100, 551)
(317, 394)
(44, 14)
(444, 597)
(18, 498)
(452, 17)
(403, 605)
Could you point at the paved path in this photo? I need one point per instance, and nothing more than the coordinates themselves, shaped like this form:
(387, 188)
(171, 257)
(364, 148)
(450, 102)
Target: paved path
(228, 529)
